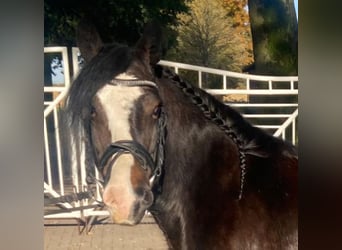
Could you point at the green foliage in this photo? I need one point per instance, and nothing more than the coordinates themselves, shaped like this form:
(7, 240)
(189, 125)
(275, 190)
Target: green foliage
(116, 20)
(274, 28)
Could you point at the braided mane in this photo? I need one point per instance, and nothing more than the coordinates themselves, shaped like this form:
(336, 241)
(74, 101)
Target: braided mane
(245, 135)
(249, 140)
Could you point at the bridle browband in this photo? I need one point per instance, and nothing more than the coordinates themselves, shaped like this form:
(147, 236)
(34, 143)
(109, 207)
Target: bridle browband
(135, 148)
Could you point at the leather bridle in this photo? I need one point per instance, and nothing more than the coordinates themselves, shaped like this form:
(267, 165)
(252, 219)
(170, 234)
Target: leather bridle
(147, 162)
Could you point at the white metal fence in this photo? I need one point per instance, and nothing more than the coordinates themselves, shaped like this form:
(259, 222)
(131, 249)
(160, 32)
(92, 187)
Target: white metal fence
(268, 102)
(63, 174)
(278, 116)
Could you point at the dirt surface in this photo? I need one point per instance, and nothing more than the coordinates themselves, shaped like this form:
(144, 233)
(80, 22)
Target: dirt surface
(64, 234)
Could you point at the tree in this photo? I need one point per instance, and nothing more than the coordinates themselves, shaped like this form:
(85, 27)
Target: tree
(275, 37)
(207, 37)
(236, 9)
(274, 32)
(210, 36)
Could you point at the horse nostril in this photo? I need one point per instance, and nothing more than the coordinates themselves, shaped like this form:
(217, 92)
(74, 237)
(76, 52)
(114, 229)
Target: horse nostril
(147, 198)
(145, 195)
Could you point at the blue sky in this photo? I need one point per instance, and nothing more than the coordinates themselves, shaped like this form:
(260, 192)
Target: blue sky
(296, 7)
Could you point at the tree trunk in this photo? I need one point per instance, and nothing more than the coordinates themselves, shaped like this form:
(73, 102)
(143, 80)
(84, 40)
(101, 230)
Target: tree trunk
(274, 32)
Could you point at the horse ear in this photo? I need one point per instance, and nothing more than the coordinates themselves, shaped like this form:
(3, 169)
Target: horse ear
(150, 44)
(88, 40)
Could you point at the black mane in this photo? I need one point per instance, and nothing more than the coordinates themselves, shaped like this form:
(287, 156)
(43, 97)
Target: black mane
(110, 61)
(252, 140)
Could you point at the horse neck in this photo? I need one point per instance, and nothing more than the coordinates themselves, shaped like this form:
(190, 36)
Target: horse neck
(194, 151)
(202, 175)
(190, 134)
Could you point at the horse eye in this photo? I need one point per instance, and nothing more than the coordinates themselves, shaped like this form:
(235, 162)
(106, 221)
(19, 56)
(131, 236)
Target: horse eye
(92, 112)
(156, 112)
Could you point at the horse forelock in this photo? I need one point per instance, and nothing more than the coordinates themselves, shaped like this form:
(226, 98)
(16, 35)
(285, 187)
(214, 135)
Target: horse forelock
(111, 61)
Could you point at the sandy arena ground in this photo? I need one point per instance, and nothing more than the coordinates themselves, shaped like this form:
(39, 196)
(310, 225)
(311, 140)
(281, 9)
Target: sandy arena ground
(64, 235)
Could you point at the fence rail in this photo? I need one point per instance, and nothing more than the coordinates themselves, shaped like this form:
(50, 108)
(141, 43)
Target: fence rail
(63, 176)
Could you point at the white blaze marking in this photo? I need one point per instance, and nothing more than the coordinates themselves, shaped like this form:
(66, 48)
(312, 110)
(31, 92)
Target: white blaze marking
(117, 102)
(120, 185)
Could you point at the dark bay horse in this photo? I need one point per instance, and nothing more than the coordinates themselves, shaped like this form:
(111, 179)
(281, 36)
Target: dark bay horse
(210, 179)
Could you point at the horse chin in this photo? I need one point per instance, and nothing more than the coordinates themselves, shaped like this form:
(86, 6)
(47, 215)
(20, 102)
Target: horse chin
(131, 220)
(137, 219)
(126, 222)
(126, 207)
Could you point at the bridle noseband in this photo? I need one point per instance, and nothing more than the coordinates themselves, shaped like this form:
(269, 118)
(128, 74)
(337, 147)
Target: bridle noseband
(124, 146)
(133, 147)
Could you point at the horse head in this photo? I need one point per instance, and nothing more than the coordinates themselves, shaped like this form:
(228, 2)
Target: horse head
(117, 100)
